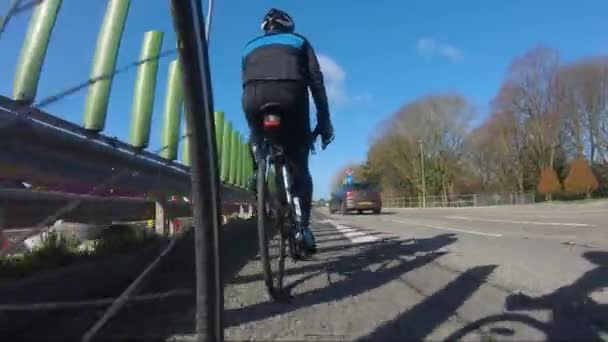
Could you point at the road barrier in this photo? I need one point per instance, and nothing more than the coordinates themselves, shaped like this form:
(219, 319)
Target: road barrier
(48, 152)
(467, 200)
(39, 147)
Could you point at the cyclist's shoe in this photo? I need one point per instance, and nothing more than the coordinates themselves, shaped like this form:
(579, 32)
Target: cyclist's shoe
(309, 240)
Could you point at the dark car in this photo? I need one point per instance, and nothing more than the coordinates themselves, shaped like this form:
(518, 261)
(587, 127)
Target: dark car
(356, 197)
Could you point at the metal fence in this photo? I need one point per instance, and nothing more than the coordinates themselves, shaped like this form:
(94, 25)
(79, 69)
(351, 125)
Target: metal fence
(468, 200)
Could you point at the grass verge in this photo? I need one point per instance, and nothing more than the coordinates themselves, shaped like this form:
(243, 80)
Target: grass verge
(56, 251)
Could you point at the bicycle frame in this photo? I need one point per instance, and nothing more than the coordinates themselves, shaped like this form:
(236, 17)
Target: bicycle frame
(273, 155)
(279, 202)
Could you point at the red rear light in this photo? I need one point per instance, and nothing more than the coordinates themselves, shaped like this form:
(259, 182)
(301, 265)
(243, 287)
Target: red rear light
(350, 194)
(271, 122)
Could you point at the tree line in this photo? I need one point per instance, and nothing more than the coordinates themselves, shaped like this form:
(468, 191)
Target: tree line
(546, 130)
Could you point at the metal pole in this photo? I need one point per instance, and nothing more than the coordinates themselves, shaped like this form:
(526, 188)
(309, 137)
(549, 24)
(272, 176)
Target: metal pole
(209, 17)
(423, 178)
(190, 29)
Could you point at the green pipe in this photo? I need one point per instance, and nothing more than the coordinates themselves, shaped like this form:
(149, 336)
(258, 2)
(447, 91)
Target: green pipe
(249, 164)
(33, 51)
(173, 110)
(239, 162)
(185, 159)
(219, 130)
(244, 175)
(104, 64)
(244, 166)
(226, 149)
(185, 144)
(145, 85)
(234, 156)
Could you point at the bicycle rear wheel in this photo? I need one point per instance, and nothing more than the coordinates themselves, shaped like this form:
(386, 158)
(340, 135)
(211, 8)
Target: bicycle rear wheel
(271, 238)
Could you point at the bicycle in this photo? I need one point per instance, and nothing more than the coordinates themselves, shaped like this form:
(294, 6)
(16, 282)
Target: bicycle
(278, 210)
(501, 326)
(561, 325)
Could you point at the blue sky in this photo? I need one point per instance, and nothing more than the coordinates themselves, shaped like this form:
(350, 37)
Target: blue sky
(376, 56)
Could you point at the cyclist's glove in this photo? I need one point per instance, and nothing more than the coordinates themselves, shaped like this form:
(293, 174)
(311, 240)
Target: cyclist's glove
(327, 134)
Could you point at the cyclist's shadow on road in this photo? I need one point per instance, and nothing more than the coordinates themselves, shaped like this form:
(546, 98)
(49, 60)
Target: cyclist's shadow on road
(357, 277)
(575, 314)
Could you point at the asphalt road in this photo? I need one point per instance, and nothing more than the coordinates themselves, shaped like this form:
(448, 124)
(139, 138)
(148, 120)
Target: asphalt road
(506, 273)
(510, 273)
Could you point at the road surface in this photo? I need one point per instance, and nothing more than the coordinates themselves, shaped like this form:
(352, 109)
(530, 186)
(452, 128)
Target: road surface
(440, 274)
(505, 273)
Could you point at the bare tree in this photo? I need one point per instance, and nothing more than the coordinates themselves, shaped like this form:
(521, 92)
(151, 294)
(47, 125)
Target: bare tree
(481, 157)
(440, 122)
(533, 98)
(544, 114)
(586, 93)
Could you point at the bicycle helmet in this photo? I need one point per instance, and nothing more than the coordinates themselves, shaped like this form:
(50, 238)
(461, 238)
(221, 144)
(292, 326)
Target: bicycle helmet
(277, 20)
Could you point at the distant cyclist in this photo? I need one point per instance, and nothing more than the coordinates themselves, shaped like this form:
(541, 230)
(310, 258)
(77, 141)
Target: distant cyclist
(280, 66)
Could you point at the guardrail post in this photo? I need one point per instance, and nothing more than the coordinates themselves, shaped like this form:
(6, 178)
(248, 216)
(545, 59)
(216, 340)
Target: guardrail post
(104, 64)
(33, 51)
(234, 155)
(145, 85)
(161, 217)
(226, 152)
(218, 119)
(173, 111)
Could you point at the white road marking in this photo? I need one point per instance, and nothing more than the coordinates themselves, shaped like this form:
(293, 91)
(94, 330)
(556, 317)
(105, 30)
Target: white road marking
(541, 223)
(354, 235)
(94, 302)
(346, 229)
(426, 225)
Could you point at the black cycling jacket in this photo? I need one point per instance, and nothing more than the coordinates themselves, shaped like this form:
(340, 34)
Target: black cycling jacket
(281, 56)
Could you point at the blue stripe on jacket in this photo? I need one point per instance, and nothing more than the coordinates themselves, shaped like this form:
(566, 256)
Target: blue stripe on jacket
(281, 39)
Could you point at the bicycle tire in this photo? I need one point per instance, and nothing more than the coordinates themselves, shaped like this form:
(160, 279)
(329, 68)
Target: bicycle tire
(509, 317)
(271, 244)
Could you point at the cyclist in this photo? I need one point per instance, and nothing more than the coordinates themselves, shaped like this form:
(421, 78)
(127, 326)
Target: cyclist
(279, 67)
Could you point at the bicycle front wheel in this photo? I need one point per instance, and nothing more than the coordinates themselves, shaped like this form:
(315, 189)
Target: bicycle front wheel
(271, 239)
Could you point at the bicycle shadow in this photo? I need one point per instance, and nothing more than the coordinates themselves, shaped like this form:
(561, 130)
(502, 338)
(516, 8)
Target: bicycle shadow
(575, 314)
(421, 320)
(308, 268)
(357, 277)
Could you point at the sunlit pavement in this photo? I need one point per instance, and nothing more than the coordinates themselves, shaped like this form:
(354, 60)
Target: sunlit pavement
(511, 273)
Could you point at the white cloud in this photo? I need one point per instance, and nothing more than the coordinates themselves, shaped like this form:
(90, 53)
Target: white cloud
(335, 77)
(430, 47)
(335, 83)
